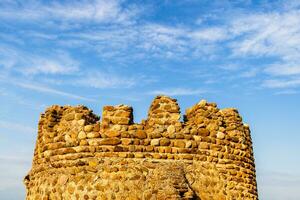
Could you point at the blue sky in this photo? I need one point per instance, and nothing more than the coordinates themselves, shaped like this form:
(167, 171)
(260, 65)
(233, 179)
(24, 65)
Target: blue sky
(243, 54)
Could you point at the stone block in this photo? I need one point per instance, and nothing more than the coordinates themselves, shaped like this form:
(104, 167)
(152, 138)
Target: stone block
(154, 142)
(93, 135)
(88, 128)
(110, 141)
(141, 134)
(204, 145)
(81, 135)
(171, 129)
(164, 142)
(188, 144)
(126, 141)
(70, 116)
(179, 143)
(112, 133)
(203, 132)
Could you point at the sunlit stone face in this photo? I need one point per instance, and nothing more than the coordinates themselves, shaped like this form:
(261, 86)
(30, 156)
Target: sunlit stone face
(79, 156)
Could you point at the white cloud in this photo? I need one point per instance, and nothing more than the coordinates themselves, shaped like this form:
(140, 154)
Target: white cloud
(213, 34)
(284, 69)
(49, 90)
(270, 34)
(102, 80)
(250, 73)
(61, 64)
(12, 170)
(230, 66)
(2, 92)
(291, 4)
(96, 11)
(287, 92)
(8, 57)
(280, 83)
(34, 86)
(278, 185)
(16, 127)
(39, 35)
(55, 62)
(11, 38)
(274, 35)
(178, 92)
(148, 40)
(180, 42)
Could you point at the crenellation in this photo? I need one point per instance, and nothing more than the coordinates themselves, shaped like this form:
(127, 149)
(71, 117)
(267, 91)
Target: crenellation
(209, 155)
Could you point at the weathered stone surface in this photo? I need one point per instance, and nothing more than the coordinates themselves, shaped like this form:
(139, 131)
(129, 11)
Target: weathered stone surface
(70, 116)
(110, 141)
(179, 143)
(154, 142)
(81, 122)
(88, 128)
(164, 142)
(208, 156)
(112, 133)
(171, 129)
(141, 134)
(220, 135)
(81, 135)
(203, 132)
(63, 180)
(93, 134)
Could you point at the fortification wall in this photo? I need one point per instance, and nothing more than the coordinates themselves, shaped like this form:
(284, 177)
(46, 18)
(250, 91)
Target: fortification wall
(78, 156)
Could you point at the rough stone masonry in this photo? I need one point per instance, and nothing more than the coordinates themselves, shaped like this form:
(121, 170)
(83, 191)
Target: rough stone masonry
(208, 156)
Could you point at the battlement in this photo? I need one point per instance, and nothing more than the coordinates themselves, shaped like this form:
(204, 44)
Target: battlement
(216, 140)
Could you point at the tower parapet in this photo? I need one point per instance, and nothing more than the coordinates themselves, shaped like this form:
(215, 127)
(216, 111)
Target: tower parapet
(78, 156)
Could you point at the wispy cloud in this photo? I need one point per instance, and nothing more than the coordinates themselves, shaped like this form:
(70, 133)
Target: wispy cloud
(62, 65)
(2, 92)
(98, 79)
(148, 40)
(38, 87)
(250, 73)
(287, 92)
(285, 69)
(279, 185)
(178, 92)
(55, 62)
(281, 83)
(274, 35)
(12, 170)
(37, 69)
(49, 90)
(96, 11)
(16, 127)
(213, 34)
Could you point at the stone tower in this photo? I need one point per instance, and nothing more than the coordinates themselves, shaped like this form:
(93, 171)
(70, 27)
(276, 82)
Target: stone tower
(208, 156)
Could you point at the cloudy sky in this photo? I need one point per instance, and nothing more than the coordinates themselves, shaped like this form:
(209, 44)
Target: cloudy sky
(239, 53)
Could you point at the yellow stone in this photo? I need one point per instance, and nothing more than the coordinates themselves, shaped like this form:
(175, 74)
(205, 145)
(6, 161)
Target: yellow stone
(179, 143)
(141, 134)
(81, 122)
(171, 129)
(81, 135)
(93, 163)
(88, 128)
(112, 133)
(154, 142)
(220, 135)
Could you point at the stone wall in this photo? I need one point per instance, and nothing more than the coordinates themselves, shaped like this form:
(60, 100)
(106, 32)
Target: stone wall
(78, 156)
